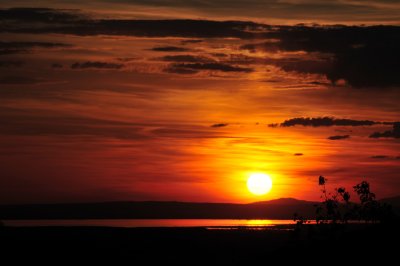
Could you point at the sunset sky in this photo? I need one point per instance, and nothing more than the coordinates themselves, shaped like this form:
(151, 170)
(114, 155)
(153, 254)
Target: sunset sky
(183, 100)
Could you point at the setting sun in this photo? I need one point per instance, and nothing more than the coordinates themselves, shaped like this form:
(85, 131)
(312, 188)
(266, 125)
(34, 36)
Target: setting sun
(259, 184)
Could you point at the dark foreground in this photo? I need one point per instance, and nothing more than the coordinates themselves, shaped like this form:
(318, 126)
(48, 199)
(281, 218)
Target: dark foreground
(199, 246)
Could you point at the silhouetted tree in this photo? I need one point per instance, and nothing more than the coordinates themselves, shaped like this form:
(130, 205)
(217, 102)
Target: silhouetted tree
(334, 212)
(371, 210)
(337, 207)
(334, 207)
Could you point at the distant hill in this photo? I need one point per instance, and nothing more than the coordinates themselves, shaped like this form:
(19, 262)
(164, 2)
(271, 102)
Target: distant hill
(283, 208)
(274, 209)
(284, 201)
(394, 201)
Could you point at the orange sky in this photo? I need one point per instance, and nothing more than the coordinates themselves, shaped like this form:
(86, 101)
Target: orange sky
(99, 117)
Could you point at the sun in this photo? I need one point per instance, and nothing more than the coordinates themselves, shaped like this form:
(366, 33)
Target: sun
(259, 184)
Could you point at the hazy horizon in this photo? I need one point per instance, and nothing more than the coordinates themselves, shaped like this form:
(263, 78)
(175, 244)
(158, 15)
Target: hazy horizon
(165, 201)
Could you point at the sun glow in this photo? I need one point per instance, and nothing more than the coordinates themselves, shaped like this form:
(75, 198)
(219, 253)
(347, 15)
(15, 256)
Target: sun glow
(259, 184)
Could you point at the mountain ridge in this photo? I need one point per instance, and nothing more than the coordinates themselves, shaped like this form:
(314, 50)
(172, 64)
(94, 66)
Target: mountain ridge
(282, 208)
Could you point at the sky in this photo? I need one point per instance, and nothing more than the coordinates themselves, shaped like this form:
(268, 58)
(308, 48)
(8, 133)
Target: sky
(183, 100)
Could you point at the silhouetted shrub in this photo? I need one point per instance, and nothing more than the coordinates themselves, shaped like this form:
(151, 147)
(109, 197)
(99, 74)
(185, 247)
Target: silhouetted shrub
(370, 209)
(336, 207)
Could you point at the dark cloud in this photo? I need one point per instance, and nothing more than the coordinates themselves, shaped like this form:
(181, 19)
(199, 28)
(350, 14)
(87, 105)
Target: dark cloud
(385, 157)
(127, 59)
(20, 80)
(220, 125)
(298, 154)
(247, 60)
(395, 133)
(219, 55)
(28, 45)
(339, 137)
(363, 56)
(385, 134)
(273, 125)
(180, 70)
(325, 122)
(191, 41)
(286, 11)
(12, 51)
(169, 49)
(11, 63)
(186, 58)
(212, 66)
(74, 22)
(95, 64)
(44, 15)
(24, 47)
(318, 83)
(304, 66)
(262, 46)
(379, 157)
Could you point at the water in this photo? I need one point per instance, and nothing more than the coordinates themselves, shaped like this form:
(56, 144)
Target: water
(211, 223)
